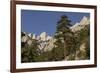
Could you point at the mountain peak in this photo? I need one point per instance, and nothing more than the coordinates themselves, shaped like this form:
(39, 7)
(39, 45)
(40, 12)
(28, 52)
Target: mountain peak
(43, 34)
(84, 21)
(78, 26)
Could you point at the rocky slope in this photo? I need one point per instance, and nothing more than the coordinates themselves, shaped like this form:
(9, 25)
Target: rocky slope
(78, 26)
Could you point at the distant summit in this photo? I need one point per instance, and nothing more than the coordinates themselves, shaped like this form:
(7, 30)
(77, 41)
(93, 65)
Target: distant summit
(78, 26)
(43, 36)
(45, 41)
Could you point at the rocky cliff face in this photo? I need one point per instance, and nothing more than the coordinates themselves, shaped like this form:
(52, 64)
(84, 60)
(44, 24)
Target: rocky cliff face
(78, 26)
(46, 42)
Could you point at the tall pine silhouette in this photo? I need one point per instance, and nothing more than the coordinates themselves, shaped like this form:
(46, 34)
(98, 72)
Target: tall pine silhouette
(64, 36)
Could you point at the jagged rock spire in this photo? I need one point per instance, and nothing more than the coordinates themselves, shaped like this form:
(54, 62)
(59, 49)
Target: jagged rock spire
(78, 26)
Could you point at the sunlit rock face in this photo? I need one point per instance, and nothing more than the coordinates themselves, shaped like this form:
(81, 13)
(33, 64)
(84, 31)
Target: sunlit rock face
(49, 45)
(78, 26)
(43, 36)
(46, 42)
(24, 38)
(33, 36)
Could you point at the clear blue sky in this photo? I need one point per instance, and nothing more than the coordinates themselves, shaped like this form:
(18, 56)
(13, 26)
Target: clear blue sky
(33, 21)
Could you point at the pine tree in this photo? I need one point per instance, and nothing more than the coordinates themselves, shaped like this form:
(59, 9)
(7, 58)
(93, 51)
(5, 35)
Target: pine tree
(29, 53)
(64, 36)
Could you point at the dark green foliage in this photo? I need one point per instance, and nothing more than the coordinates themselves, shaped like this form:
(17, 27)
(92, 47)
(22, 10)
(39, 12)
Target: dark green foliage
(29, 52)
(43, 57)
(88, 49)
(57, 54)
(65, 37)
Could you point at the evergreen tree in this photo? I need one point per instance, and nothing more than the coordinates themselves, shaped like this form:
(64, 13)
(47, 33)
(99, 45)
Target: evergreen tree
(29, 53)
(64, 36)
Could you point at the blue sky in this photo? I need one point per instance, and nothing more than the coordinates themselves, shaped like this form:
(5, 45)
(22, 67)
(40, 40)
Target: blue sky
(33, 21)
